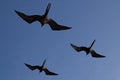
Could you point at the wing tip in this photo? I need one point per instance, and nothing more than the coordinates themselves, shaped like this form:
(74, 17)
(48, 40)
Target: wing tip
(17, 11)
(101, 56)
(26, 64)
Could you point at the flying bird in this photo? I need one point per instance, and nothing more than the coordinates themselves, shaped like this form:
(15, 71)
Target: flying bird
(87, 50)
(41, 68)
(43, 19)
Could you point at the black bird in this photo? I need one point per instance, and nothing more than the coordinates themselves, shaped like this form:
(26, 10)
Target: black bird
(41, 68)
(43, 19)
(87, 50)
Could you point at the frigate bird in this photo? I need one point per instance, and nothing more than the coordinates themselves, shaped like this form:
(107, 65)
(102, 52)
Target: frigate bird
(41, 68)
(87, 50)
(43, 19)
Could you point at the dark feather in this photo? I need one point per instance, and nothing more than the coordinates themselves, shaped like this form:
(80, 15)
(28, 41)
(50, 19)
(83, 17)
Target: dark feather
(87, 50)
(31, 67)
(43, 19)
(27, 18)
(94, 54)
(47, 9)
(47, 72)
(44, 63)
(41, 68)
(55, 26)
(78, 49)
(92, 44)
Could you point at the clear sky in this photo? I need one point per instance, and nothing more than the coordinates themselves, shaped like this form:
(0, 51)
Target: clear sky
(21, 42)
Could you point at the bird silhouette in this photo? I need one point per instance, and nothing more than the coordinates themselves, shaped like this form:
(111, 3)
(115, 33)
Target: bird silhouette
(41, 68)
(43, 19)
(87, 50)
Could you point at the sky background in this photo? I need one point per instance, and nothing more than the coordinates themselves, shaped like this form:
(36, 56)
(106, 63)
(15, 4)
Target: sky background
(21, 42)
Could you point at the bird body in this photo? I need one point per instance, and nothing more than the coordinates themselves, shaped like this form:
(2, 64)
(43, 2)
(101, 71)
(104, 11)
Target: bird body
(43, 19)
(87, 50)
(41, 68)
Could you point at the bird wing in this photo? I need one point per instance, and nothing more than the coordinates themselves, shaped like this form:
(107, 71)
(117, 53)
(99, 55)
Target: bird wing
(31, 67)
(94, 54)
(78, 49)
(47, 72)
(27, 18)
(55, 26)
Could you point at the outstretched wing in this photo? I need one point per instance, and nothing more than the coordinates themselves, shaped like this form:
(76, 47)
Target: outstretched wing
(78, 49)
(27, 18)
(55, 26)
(94, 54)
(31, 67)
(47, 72)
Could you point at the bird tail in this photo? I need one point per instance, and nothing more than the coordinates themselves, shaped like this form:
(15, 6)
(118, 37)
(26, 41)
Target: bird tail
(47, 9)
(44, 63)
(92, 44)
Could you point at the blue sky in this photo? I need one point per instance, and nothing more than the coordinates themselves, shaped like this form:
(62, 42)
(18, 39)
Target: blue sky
(21, 42)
